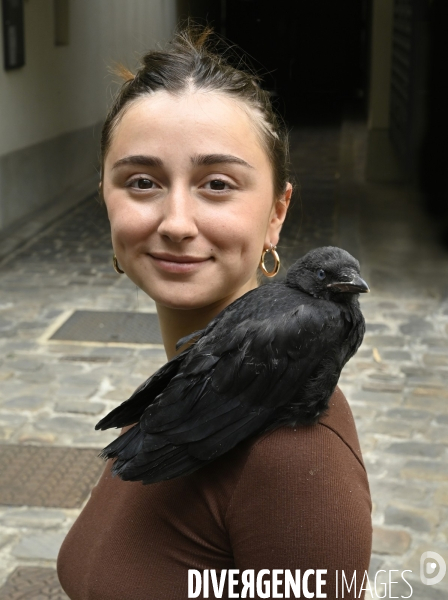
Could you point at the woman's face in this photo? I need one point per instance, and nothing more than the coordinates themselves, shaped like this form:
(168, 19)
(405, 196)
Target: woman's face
(189, 194)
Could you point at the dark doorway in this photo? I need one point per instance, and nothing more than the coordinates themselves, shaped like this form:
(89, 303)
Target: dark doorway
(314, 50)
(433, 155)
(313, 54)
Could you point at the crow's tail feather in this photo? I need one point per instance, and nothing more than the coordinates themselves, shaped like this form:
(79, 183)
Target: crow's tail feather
(159, 465)
(126, 446)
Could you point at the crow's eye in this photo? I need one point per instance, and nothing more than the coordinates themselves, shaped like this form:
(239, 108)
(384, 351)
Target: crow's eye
(321, 274)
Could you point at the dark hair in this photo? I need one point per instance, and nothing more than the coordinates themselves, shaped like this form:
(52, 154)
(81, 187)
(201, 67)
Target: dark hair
(189, 62)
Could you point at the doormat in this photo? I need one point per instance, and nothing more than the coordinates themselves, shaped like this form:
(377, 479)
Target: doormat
(32, 583)
(58, 477)
(110, 327)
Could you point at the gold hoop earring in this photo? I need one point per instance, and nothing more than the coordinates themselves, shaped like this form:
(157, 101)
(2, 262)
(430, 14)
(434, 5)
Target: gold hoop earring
(116, 265)
(276, 268)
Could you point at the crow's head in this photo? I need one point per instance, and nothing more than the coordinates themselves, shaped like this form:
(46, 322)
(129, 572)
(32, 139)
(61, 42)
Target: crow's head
(329, 273)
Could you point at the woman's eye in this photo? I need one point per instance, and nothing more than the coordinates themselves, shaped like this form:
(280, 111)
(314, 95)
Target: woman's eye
(217, 185)
(142, 184)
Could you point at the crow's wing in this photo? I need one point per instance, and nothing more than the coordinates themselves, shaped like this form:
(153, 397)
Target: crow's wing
(130, 411)
(228, 389)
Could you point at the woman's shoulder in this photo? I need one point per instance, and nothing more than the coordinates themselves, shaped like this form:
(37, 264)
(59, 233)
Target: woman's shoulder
(335, 433)
(305, 466)
(302, 497)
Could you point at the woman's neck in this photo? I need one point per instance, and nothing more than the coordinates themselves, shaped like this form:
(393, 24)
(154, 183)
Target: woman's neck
(176, 323)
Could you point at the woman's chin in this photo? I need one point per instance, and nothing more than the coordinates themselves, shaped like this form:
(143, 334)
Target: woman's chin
(185, 306)
(196, 296)
(182, 301)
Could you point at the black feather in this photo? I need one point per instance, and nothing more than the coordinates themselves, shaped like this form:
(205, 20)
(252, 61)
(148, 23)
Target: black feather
(273, 357)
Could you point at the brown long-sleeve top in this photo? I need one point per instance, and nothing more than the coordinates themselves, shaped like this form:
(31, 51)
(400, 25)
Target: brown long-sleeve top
(289, 499)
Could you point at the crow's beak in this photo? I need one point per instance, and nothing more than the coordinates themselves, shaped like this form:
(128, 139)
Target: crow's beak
(356, 286)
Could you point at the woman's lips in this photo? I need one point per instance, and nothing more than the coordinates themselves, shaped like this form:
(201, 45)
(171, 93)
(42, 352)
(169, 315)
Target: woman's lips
(177, 264)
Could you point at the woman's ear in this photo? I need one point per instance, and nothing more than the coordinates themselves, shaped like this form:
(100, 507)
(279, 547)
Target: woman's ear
(278, 216)
(100, 192)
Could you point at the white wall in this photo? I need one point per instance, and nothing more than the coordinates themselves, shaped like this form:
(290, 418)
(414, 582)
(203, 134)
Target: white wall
(65, 88)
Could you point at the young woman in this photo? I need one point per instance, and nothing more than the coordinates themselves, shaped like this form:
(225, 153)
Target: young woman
(195, 183)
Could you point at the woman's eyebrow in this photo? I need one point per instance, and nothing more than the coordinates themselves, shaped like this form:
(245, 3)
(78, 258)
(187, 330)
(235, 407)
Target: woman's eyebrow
(213, 159)
(197, 160)
(139, 159)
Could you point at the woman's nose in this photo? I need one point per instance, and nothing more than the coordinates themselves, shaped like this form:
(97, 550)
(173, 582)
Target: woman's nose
(178, 220)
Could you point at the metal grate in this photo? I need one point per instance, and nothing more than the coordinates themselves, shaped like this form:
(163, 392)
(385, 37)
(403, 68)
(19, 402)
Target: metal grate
(33, 583)
(107, 327)
(52, 477)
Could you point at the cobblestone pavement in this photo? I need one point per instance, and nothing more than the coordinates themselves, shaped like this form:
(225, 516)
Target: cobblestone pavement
(52, 393)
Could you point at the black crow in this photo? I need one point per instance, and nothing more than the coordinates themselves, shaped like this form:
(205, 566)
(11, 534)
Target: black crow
(273, 357)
